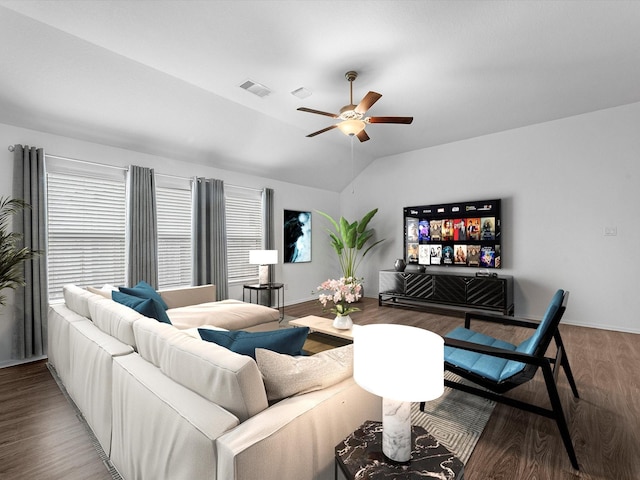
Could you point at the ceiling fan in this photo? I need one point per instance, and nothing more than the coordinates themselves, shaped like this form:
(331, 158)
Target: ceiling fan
(352, 116)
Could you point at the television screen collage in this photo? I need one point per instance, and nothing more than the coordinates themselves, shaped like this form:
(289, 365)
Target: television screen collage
(440, 235)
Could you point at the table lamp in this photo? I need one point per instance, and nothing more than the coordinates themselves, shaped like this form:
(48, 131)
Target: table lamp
(264, 258)
(402, 364)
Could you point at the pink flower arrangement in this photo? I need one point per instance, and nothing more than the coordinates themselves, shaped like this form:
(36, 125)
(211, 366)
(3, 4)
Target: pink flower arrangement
(343, 292)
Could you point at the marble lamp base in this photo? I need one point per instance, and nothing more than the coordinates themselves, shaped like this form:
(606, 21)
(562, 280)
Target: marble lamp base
(396, 430)
(360, 456)
(263, 274)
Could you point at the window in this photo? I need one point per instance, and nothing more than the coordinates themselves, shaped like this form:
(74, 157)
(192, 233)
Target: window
(174, 236)
(244, 231)
(86, 228)
(86, 215)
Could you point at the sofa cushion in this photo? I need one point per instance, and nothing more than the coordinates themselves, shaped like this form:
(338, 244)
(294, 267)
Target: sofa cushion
(114, 318)
(148, 307)
(232, 381)
(185, 296)
(144, 290)
(285, 375)
(162, 430)
(229, 314)
(91, 353)
(285, 340)
(77, 299)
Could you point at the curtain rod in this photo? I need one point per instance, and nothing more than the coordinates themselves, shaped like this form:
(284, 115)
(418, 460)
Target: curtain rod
(83, 161)
(11, 148)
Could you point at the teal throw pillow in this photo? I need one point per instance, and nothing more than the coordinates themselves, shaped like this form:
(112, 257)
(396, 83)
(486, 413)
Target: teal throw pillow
(146, 306)
(144, 290)
(285, 340)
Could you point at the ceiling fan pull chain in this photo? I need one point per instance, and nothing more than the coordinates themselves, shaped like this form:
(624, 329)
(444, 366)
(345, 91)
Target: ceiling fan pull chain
(353, 169)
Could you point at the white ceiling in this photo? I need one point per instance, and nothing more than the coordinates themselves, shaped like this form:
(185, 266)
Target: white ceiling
(162, 77)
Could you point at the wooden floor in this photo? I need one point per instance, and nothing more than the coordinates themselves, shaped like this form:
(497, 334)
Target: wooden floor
(517, 445)
(42, 439)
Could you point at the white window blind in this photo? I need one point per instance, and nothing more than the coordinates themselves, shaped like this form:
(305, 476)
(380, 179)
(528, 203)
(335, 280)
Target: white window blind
(174, 237)
(86, 231)
(244, 231)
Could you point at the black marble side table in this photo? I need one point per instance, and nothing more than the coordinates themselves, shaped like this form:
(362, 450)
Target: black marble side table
(360, 457)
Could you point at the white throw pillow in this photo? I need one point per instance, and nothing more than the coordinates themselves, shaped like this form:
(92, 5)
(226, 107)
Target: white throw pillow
(105, 291)
(285, 375)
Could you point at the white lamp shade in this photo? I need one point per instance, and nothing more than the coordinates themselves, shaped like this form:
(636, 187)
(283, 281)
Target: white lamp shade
(351, 127)
(399, 362)
(263, 257)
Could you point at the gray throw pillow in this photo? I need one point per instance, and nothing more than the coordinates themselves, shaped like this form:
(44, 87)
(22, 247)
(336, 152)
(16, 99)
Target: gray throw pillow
(285, 375)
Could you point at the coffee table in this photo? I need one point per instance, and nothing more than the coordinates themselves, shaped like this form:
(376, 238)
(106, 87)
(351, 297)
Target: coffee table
(322, 325)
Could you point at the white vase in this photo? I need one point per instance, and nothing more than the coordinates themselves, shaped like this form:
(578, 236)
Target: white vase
(342, 322)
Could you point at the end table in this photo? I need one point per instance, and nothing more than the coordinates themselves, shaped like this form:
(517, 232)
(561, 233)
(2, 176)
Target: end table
(361, 454)
(269, 287)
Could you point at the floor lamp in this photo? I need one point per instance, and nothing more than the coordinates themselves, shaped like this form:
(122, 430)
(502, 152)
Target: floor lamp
(402, 364)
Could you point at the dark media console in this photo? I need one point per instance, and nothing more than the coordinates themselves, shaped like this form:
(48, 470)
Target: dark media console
(446, 290)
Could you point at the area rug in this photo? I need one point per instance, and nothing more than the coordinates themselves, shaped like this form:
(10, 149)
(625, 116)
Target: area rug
(457, 419)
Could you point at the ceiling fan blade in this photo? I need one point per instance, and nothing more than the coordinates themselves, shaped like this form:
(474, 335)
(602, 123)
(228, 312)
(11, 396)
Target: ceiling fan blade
(322, 131)
(405, 120)
(368, 100)
(362, 136)
(311, 110)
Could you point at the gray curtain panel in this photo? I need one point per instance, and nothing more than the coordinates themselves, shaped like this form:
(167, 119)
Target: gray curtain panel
(31, 301)
(210, 236)
(142, 227)
(268, 241)
(269, 228)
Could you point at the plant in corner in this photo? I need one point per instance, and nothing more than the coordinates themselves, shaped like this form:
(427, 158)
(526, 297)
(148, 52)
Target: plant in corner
(11, 253)
(349, 239)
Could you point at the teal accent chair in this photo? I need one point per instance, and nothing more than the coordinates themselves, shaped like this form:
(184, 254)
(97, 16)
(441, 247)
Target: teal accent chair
(499, 366)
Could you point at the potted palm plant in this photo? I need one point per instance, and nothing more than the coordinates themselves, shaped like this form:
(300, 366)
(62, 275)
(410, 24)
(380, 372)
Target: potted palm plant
(12, 254)
(349, 239)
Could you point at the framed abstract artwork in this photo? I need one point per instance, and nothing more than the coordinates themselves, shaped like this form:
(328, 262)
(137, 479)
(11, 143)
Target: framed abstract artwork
(297, 236)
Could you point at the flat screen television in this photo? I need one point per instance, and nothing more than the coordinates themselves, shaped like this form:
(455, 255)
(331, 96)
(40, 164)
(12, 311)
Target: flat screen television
(462, 234)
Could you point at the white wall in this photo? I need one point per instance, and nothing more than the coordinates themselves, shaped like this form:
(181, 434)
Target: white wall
(300, 279)
(561, 183)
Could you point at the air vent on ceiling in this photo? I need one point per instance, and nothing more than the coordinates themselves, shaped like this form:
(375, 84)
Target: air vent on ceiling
(301, 93)
(255, 88)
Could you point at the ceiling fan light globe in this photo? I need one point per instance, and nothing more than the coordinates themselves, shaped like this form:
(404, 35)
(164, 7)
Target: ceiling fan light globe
(348, 112)
(351, 127)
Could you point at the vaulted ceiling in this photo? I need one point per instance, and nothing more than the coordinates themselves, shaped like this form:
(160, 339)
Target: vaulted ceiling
(163, 77)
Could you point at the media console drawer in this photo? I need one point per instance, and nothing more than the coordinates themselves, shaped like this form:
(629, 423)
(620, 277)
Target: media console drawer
(444, 289)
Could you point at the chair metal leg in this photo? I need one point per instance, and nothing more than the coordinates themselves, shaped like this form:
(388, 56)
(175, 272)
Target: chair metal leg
(556, 413)
(556, 405)
(565, 365)
(567, 371)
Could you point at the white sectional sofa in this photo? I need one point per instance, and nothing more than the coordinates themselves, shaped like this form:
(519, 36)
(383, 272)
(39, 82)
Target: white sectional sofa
(165, 404)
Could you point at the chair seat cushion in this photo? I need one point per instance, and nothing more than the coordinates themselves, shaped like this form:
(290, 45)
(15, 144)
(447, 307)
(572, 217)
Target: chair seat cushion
(487, 366)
